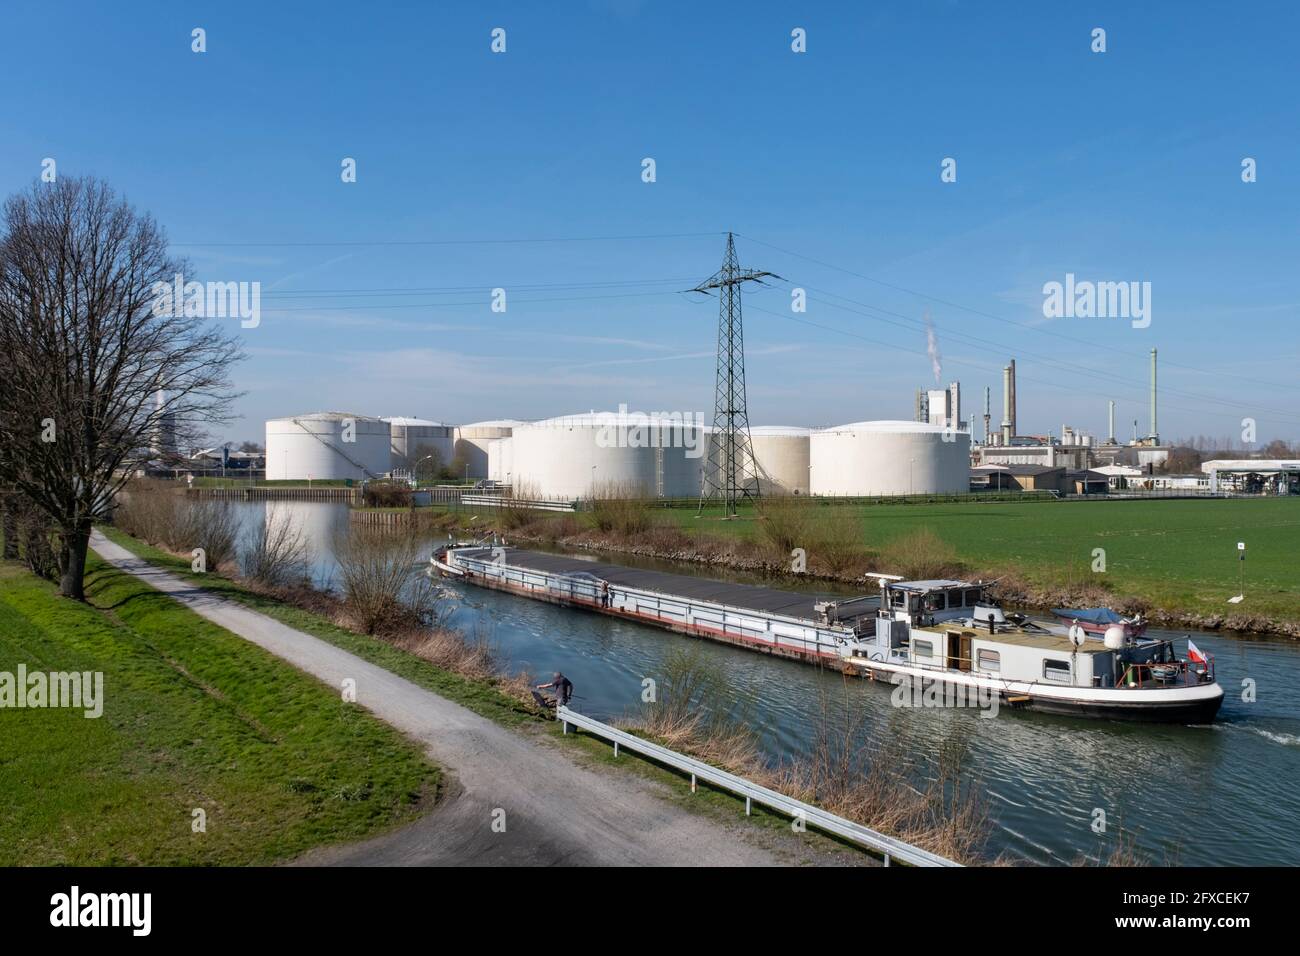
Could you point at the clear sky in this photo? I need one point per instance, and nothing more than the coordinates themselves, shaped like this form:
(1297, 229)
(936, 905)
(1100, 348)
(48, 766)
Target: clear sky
(1115, 166)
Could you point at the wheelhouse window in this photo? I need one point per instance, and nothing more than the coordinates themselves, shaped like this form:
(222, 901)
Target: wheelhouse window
(922, 648)
(989, 660)
(972, 597)
(1058, 672)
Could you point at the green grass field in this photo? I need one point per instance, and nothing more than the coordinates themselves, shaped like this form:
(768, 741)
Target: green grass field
(1177, 553)
(479, 696)
(194, 718)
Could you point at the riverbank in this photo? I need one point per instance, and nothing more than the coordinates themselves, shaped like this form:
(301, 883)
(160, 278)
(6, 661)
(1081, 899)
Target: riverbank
(1175, 561)
(519, 795)
(208, 751)
(925, 822)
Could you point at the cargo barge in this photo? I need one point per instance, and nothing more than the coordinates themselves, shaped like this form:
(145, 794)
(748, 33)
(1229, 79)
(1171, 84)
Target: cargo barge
(943, 634)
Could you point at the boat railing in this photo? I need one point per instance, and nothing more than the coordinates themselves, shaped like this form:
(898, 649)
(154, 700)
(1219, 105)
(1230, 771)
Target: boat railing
(1147, 674)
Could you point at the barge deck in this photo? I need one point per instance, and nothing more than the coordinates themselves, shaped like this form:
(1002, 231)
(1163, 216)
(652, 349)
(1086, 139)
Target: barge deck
(799, 625)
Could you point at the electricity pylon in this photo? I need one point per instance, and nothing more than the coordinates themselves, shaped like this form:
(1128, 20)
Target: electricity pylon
(730, 472)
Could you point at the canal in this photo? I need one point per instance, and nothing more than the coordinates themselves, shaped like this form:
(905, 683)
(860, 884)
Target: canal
(1220, 794)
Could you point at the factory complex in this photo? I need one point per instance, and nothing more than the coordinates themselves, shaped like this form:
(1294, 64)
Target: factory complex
(622, 453)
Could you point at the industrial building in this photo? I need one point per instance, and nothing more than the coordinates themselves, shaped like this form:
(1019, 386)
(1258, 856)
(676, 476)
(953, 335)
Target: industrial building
(781, 454)
(327, 446)
(1270, 476)
(578, 456)
(889, 458)
(473, 442)
(414, 439)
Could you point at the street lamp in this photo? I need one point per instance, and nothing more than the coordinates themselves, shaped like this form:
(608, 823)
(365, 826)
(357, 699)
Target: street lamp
(415, 472)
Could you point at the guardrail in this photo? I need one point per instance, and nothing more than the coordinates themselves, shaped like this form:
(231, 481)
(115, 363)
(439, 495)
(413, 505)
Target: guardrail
(889, 847)
(500, 501)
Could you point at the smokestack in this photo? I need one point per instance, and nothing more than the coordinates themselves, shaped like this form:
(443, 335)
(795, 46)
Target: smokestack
(954, 405)
(1155, 434)
(1006, 405)
(1014, 431)
(1110, 440)
(987, 415)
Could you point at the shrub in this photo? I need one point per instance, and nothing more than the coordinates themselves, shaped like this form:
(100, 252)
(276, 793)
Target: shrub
(382, 590)
(919, 555)
(622, 509)
(277, 553)
(386, 494)
(210, 525)
(785, 524)
(836, 542)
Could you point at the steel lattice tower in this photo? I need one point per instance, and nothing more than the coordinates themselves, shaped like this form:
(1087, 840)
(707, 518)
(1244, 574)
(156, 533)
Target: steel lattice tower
(730, 473)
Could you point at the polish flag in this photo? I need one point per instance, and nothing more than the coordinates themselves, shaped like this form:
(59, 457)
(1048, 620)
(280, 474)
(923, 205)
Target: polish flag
(1194, 653)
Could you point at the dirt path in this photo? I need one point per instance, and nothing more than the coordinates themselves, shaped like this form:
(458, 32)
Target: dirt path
(556, 811)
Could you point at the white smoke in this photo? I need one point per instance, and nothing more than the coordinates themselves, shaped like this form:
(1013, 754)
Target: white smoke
(932, 349)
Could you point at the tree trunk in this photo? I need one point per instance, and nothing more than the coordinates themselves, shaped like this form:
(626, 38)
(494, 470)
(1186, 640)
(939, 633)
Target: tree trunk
(10, 529)
(72, 566)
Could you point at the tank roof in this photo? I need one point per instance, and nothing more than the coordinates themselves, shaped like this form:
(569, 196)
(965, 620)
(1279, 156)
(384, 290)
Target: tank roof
(414, 422)
(495, 423)
(890, 425)
(326, 417)
(628, 419)
(794, 431)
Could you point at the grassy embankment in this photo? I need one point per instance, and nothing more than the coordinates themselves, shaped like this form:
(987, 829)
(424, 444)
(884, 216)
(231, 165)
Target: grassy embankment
(1176, 556)
(194, 718)
(876, 795)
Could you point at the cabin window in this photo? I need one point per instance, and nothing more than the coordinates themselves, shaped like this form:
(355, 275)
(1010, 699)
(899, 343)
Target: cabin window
(897, 599)
(989, 660)
(972, 597)
(923, 648)
(1058, 672)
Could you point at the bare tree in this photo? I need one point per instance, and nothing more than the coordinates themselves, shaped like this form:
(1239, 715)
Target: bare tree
(92, 372)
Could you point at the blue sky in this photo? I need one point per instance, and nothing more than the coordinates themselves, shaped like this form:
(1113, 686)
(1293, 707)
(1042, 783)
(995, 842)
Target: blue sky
(1121, 166)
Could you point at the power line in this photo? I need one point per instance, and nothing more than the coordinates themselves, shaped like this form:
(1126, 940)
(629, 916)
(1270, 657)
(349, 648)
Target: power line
(899, 348)
(446, 242)
(997, 318)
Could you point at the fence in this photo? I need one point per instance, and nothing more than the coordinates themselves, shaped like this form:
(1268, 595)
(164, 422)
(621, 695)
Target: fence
(501, 501)
(887, 846)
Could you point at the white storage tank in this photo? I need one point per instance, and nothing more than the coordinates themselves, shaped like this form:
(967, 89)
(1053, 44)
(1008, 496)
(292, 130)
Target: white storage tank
(414, 438)
(472, 442)
(327, 446)
(501, 460)
(889, 458)
(577, 456)
(781, 453)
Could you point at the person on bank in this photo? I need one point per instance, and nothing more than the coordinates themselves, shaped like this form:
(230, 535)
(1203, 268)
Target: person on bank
(563, 688)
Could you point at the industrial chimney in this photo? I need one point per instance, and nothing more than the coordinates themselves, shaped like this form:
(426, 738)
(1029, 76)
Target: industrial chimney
(1155, 433)
(987, 415)
(1014, 428)
(1110, 440)
(1006, 405)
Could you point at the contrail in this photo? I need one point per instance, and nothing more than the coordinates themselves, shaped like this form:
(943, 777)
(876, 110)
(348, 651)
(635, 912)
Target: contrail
(932, 349)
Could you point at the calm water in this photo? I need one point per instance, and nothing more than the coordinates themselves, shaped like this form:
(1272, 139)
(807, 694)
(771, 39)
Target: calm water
(1228, 793)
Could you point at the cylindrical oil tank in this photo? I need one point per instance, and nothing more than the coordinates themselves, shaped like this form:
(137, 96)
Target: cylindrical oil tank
(327, 446)
(501, 460)
(889, 458)
(609, 453)
(781, 454)
(414, 439)
(472, 441)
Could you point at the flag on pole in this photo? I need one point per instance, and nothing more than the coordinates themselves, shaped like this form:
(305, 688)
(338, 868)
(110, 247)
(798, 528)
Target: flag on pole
(1194, 653)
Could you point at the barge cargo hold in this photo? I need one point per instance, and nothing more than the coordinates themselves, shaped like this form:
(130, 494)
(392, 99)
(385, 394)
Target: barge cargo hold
(940, 633)
(785, 623)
